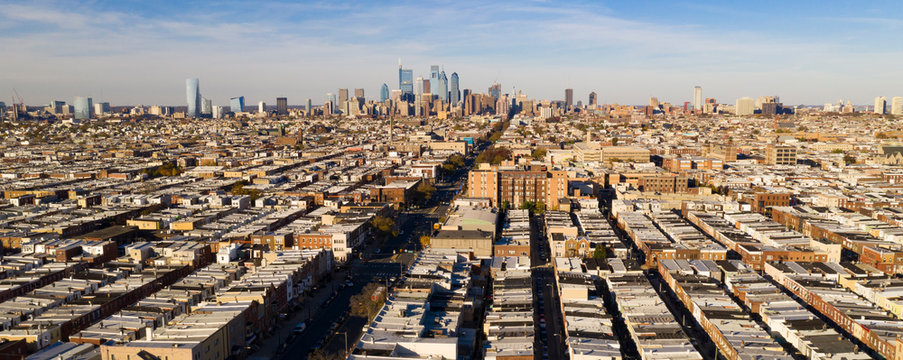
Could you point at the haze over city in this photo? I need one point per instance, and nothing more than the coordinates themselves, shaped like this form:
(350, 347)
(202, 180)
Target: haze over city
(808, 52)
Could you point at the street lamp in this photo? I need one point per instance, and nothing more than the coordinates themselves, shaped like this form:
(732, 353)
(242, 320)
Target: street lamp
(345, 351)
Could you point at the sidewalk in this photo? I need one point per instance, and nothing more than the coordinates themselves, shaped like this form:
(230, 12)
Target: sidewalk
(283, 329)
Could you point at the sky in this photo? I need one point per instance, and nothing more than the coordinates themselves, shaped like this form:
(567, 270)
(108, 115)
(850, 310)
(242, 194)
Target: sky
(140, 52)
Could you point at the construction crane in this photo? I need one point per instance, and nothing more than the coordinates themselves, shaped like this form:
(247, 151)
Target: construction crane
(19, 98)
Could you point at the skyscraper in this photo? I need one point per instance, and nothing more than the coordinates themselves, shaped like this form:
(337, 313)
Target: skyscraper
(359, 94)
(261, 107)
(455, 91)
(427, 87)
(418, 86)
(237, 104)
(443, 87)
(332, 100)
(310, 107)
(84, 108)
(697, 98)
(568, 97)
(281, 106)
(495, 90)
(896, 105)
(593, 99)
(193, 94)
(206, 106)
(343, 97)
(746, 106)
(880, 105)
(405, 82)
(384, 93)
(434, 81)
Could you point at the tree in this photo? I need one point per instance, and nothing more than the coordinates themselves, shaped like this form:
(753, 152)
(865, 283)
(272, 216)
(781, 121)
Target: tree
(600, 252)
(837, 151)
(384, 225)
(614, 141)
(424, 241)
(494, 155)
(539, 154)
(849, 159)
(424, 191)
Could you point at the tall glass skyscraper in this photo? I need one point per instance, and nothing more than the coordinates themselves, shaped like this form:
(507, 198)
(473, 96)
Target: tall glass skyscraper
(84, 107)
(443, 87)
(193, 93)
(405, 81)
(384, 93)
(455, 91)
(237, 104)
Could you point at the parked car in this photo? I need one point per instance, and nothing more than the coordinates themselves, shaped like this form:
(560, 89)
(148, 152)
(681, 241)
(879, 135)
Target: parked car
(299, 328)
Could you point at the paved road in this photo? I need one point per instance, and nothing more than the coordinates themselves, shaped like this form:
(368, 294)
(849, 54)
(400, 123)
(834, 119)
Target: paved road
(550, 340)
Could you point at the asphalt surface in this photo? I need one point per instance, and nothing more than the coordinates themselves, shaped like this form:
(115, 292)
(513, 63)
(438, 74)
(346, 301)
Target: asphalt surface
(546, 303)
(329, 327)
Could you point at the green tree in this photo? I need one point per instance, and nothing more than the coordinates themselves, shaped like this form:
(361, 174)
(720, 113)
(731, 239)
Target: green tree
(837, 151)
(849, 159)
(424, 191)
(424, 241)
(614, 141)
(600, 252)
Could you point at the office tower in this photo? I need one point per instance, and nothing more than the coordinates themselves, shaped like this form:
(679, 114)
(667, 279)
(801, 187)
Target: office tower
(434, 77)
(495, 90)
(237, 104)
(328, 107)
(56, 107)
(405, 82)
(282, 105)
(343, 96)
(896, 105)
(206, 106)
(331, 98)
(98, 109)
(2, 109)
(261, 107)
(593, 99)
(443, 87)
(193, 93)
(880, 105)
(454, 91)
(426, 87)
(418, 86)
(384, 93)
(310, 107)
(84, 107)
(697, 98)
(568, 97)
(359, 94)
(218, 112)
(746, 106)
(653, 102)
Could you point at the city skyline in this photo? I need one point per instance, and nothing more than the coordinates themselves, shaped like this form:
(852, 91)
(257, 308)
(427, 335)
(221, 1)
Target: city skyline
(730, 49)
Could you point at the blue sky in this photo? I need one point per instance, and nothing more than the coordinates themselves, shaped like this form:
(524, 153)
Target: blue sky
(140, 52)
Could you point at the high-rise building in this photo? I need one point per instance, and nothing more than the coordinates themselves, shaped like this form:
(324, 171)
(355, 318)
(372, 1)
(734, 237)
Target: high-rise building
(332, 99)
(384, 93)
(281, 106)
(84, 108)
(261, 107)
(455, 90)
(653, 102)
(697, 98)
(310, 107)
(896, 105)
(593, 99)
(880, 105)
(568, 97)
(746, 106)
(193, 94)
(443, 87)
(359, 94)
(406, 82)
(56, 107)
(98, 109)
(206, 106)
(343, 96)
(434, 76)
(237, 104)
(218, 112)
(418, 86)
(495, 90)
(427, 88)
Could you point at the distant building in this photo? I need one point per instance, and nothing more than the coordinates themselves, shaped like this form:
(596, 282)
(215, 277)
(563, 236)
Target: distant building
(384, 93)
(193, 93)
(359, 94)
(206, 106)
(780, 155)
(310, 107)
(237, 104)
(282, 105)
(84, 108)
(343, 96)
(880, 105)
(455, 90)
(261, 107)
(568, 97)
(697, 98)
(406, 82)
(443, 87)
(896, 106)
(593, 99)
(495, 90)
(746, 106)
(218, 112)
